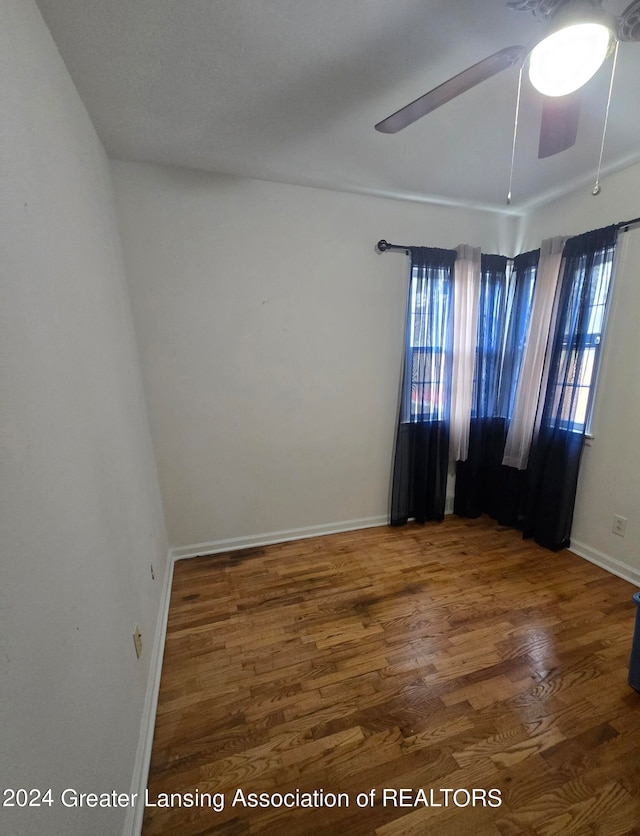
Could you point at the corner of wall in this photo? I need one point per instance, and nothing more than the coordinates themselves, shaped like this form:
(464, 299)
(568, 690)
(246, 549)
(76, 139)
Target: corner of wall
(135, 814)
(604, 561)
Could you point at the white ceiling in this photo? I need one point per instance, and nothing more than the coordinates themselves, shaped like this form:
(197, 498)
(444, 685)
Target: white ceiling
(289, 90)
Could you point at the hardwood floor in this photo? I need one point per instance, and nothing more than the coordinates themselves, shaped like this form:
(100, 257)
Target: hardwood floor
(449, 657)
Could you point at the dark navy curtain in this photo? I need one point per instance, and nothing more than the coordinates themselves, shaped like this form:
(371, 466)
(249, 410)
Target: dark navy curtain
(483, 485)
(422, 441)
(552, 472)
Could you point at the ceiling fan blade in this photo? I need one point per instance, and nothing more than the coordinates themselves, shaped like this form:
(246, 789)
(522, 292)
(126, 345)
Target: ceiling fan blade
(559, 125)
(453, 87)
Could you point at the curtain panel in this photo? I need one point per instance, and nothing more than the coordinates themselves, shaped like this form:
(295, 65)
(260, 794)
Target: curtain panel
(545, 264)
(554, 459)
(482, 484)
(466, 282)
(422, 442)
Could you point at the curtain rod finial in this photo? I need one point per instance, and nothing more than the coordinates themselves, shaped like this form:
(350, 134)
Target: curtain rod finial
(382, 246)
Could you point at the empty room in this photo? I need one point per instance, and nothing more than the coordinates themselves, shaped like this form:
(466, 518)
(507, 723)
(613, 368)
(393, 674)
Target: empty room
(319, 492)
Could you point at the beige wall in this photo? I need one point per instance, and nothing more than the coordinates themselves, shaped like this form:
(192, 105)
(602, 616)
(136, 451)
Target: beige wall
(580, 211)
(80, 512)
(271, 337)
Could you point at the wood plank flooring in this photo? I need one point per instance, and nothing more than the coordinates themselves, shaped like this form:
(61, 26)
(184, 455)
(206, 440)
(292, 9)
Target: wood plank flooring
(444, 661)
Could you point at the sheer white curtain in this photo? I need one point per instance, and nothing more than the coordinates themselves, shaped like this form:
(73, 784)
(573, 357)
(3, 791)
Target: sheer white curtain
(531, 381)
(466, 288)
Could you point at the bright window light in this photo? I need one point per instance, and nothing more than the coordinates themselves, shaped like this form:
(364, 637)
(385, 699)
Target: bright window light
(567, 59)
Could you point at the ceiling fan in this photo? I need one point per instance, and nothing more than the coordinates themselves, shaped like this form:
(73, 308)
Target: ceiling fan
(570, 26)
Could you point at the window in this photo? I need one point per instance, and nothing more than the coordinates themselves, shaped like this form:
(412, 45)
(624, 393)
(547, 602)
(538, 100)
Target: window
(579, 338)
(430, 329)
(491, 334)
(506, 293)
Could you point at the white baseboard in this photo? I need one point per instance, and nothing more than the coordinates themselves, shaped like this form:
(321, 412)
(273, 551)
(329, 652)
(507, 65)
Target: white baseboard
(269, 538)
(605, 561)
(135, 814)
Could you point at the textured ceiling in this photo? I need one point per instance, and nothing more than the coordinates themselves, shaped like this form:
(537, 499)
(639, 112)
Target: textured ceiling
(289, 90)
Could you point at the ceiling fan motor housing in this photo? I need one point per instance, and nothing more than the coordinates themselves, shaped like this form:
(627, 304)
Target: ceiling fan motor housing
(626, 27)
(629, 24)
(572, 12)
(578, 38)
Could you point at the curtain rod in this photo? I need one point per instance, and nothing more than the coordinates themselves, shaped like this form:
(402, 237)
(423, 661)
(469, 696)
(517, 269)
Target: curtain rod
(385, 247)
(624, 225)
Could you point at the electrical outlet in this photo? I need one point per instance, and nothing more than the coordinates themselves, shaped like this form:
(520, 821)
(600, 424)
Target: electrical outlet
(619, 526)
(137, 641)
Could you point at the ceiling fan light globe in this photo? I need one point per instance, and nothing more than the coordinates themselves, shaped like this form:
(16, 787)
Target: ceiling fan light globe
(569, 57)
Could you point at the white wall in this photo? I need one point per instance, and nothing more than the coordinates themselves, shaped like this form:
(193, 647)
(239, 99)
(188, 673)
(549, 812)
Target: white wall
(270, 333)
(610, 470)
(80, 513)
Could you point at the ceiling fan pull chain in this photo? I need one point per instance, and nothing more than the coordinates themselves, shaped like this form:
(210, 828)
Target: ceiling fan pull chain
(515, 134)
(596, 188)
